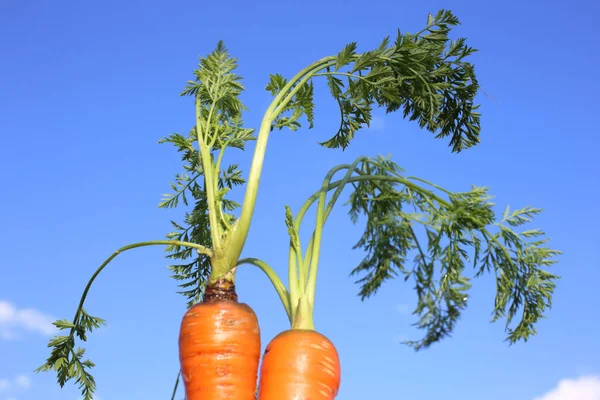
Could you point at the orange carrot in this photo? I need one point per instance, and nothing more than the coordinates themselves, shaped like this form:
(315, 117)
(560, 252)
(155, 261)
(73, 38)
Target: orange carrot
(219, 347)
(300, 364)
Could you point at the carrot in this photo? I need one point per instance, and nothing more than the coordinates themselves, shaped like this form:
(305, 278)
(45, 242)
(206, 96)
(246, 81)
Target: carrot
(300, 364)
(219, 347)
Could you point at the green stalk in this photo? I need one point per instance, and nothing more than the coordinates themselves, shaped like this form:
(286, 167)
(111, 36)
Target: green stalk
(310, 264)
(284, 296)
(240, 234)
(208, 166)
(311, 245)
(315, 249)
(396, 179)
(303, 312)
(304, 315)
(198, 247)
(293, 267)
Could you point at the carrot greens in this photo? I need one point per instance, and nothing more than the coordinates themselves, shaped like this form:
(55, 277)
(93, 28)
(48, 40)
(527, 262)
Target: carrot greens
(412, 221)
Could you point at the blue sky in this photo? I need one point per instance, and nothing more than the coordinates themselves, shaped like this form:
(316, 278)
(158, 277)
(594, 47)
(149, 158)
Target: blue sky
(88, 88)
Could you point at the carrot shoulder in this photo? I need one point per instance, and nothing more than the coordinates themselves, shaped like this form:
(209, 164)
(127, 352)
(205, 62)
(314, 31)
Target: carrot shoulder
(219, 348)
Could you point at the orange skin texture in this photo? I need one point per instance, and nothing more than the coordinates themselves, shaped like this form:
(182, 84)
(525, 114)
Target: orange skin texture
(219, 351)
(300, 364)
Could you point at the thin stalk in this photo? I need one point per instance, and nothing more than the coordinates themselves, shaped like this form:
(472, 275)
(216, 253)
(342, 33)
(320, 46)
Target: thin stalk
(301, 278)
(217, 173)
(310, 265)
(305, 266)
(306, 206)
(308, 257)
(298, 86)
(294, 277)
(429, 183)
(208, 179)
(360, 178)
(322, 214)
(316, 247)
(332, 201)
(346, 74)
(240, 234)
(277, 284)
(176, 384)
(121, 250)
(219, 160)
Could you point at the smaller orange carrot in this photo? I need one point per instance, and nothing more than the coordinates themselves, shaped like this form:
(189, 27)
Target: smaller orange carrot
(300, 364)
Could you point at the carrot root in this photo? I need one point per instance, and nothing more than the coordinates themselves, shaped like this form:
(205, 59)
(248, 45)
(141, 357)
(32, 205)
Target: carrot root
(219, 351)
(300, 364)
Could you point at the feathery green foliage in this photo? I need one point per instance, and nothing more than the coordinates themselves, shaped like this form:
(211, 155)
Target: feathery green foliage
(424, 74)
(67, 360)
(217, 88)
(423, 232)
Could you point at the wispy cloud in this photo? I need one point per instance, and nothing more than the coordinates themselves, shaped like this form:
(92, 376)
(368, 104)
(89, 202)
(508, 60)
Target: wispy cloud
(403, 309)
(14, 320)
(21, 382)
(583, 388)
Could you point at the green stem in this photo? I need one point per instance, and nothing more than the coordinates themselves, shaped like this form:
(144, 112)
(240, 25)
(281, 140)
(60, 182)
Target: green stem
(304, 266)
(299, 80)
(308, 269)
(209, 178)
(217, 173)
(240, 234)
(304, 315)
(119, 251)
(347, 75)
(293, 271)
(277, 284)
(323, 212)
(429, 183)
(360, 178)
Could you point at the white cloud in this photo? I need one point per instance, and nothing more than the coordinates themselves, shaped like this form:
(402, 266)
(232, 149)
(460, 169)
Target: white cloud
(23, 381)
(20, 382)
(583, 388)
(13, 319)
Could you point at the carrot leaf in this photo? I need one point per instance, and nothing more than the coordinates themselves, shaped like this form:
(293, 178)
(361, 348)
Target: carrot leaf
(422, 232)
(219, 126)
(424, 74)
(444, 231)
(67, 360)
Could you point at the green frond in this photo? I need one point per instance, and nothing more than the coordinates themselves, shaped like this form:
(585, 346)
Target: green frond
(430, 235)
(424, 75)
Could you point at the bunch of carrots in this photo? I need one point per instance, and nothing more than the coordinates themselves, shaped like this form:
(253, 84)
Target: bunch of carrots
(424, 74)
